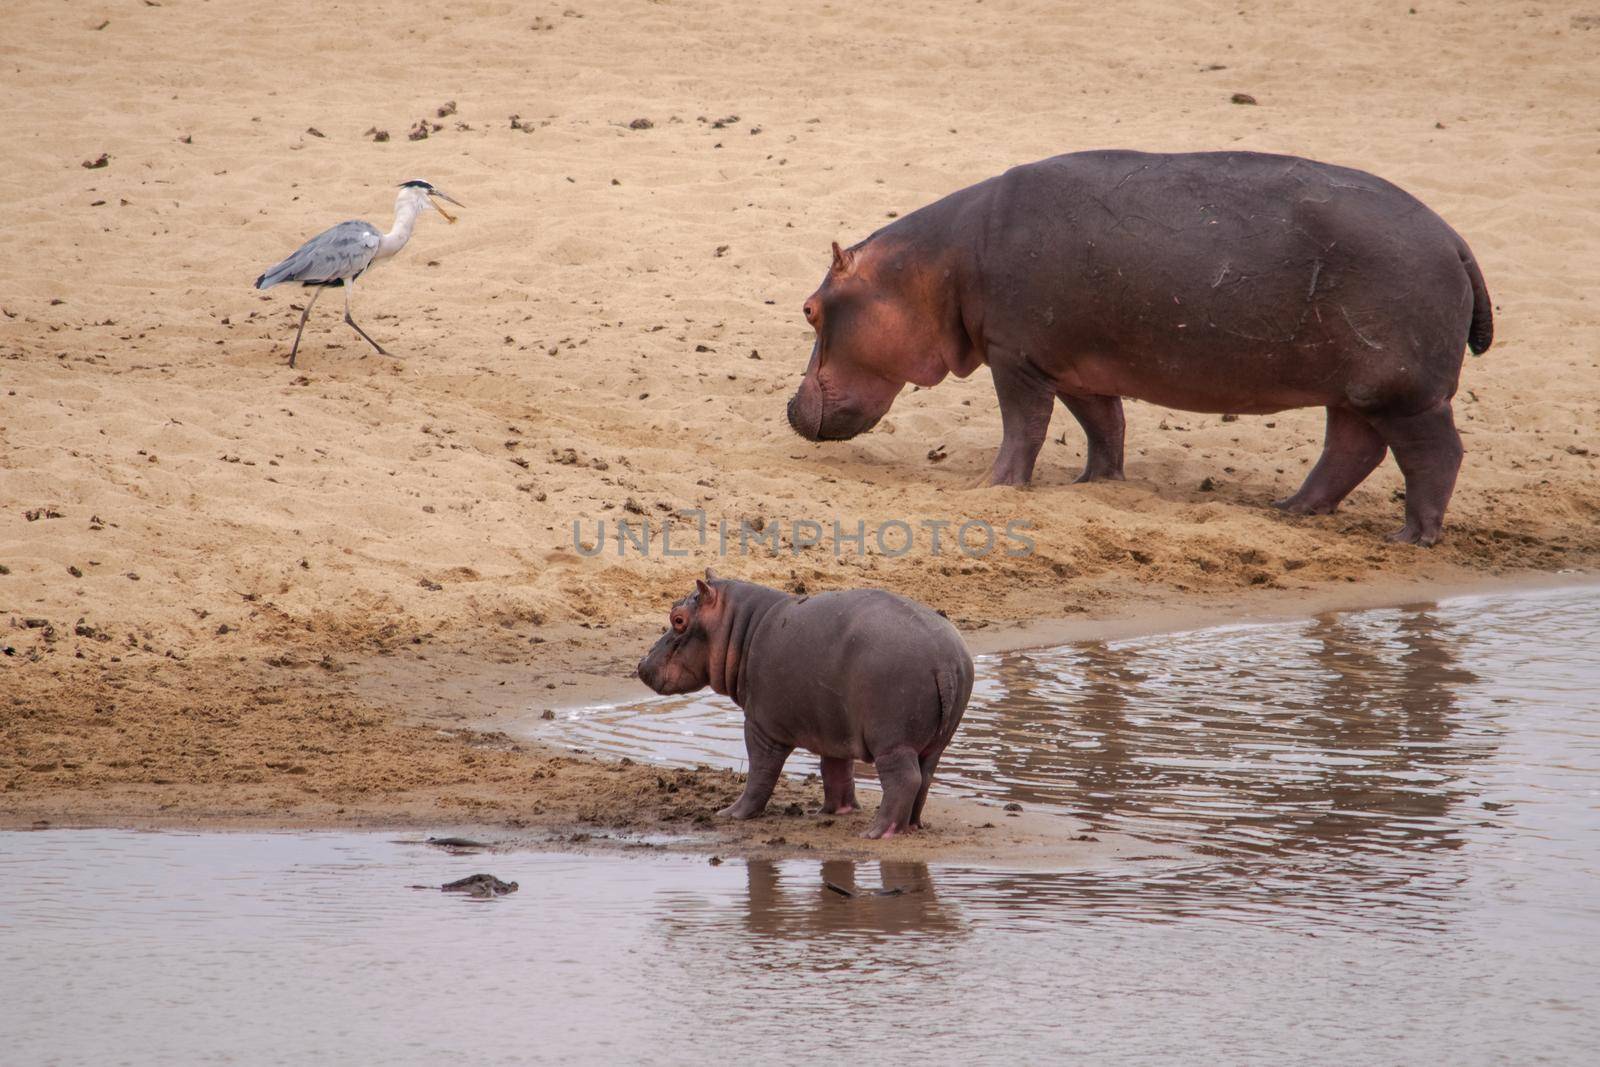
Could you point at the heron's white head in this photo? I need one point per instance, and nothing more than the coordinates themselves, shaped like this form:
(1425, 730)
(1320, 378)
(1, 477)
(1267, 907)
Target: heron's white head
(426, 192)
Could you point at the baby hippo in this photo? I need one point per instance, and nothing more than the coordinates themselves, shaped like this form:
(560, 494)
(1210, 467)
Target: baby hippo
(854, 675)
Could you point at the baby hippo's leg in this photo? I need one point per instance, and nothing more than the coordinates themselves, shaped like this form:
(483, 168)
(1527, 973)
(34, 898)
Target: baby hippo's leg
(900, 775)
(838, 785)
(766, 763)
(928, 765)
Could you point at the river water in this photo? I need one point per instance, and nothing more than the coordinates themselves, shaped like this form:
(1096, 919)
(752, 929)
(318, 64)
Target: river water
(1396, 815)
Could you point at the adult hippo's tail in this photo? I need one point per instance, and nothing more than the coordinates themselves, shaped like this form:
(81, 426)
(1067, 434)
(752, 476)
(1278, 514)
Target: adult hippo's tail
(1481, 335)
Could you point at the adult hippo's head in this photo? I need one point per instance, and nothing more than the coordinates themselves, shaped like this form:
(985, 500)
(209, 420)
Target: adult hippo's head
(884, 316)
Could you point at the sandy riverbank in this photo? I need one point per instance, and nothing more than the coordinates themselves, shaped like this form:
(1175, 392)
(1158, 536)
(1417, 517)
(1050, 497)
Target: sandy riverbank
(217, 551)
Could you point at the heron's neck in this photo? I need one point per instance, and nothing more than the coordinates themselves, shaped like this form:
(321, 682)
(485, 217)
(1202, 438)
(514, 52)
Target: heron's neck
(405, 218)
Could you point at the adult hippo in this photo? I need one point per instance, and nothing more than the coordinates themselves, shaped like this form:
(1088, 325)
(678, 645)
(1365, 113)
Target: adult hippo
(1212, 281)
(858, 674)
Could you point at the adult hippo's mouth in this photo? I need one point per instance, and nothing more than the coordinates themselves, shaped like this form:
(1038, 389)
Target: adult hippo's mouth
(815, 417)
(805, 418)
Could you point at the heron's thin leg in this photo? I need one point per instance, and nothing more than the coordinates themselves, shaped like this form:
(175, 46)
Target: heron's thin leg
(315, 292)
(349, 285)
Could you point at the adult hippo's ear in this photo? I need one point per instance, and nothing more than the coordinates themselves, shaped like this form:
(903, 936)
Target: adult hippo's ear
(843, 260)
(707, 593)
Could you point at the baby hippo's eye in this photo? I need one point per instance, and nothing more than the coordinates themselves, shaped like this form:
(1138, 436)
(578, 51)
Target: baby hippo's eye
(679, 623)
(810, 310)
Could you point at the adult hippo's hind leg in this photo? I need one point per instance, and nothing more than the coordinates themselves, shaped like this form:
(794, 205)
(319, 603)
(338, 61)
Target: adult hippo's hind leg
(1351, 449)
(1428, 449)
(1103, 428)
(900, 775)
(766, 763)
(838, 785)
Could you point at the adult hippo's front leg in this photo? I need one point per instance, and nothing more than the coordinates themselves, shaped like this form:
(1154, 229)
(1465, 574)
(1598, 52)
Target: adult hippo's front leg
(766, 764)
(1103, 429)
(1026, 403)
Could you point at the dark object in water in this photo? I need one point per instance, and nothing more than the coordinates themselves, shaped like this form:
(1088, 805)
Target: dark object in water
(456, 842)
(885, 892)
(480, 885)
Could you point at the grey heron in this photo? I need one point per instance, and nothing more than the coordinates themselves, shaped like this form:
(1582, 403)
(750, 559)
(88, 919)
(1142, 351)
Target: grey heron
(341, 255)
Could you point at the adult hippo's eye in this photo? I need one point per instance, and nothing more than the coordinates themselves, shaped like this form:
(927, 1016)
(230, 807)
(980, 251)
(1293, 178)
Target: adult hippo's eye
(810, 310)
(679, 623)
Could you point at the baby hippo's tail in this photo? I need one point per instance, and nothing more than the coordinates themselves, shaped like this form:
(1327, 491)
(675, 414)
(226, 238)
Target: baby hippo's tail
(954, 682)
(1481, 333)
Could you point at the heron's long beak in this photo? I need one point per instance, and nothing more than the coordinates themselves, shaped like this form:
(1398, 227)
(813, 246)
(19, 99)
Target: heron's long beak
(442, 195)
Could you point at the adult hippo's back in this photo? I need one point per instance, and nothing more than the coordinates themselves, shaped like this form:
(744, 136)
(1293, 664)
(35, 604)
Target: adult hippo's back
(1212, 281)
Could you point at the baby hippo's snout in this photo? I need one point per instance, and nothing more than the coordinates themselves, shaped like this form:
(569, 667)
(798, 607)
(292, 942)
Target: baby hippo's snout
(675, 664)
(649, 668)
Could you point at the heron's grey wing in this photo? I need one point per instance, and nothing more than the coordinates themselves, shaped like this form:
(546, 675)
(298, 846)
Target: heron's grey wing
(332, 255)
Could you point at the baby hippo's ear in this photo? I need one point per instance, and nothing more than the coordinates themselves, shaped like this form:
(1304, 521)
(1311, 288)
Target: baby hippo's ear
(708, 593)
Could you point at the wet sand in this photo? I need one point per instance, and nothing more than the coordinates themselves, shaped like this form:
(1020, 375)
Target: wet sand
(233, 591)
